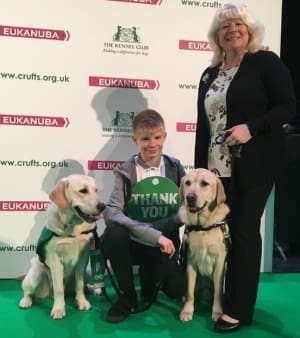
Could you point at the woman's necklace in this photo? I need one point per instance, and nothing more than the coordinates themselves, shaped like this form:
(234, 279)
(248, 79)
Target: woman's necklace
(235, 62)
(229, 65)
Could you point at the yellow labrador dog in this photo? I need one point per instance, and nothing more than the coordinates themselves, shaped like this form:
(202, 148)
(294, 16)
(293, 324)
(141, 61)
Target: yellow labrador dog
(63, 247)
(203, 211)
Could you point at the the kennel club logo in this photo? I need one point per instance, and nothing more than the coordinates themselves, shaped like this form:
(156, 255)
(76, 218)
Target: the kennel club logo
(126, 35)
(120, 127)
(34, 33)
(126, 40)
(143, 2)
(153, 198)
(123, 119)
(34, 121)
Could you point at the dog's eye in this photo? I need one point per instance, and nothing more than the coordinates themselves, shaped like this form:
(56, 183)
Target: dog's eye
(204, 184)
(188, 183)
(83, 191)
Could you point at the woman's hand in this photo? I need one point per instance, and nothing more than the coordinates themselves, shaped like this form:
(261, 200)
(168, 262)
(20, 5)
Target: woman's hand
(238, 135)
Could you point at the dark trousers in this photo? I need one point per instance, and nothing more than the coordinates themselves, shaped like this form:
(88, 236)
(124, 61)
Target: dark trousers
(243, 269)
(154, 266)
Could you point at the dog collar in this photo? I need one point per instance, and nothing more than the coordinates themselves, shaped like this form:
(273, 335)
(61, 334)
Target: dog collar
(74, 220)
(90, 230)
(189, 228)
(221, 225)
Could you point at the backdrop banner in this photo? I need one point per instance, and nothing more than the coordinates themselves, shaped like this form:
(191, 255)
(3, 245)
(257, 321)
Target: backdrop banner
(73, 73)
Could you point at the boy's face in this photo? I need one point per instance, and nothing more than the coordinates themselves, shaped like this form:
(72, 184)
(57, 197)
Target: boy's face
(150, 143)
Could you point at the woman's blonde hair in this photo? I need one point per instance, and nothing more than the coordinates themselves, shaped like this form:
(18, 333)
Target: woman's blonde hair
(235, 11)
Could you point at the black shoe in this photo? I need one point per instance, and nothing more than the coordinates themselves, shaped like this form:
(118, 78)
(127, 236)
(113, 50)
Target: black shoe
(222, 326)
(147, 301)
(119, 311)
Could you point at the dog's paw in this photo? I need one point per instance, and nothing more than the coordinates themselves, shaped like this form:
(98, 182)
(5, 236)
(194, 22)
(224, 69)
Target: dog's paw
(25, 302)
(216, 315)
(58, 312)
(217, 310)
(187, 312)
(83, 303)
(186, 316)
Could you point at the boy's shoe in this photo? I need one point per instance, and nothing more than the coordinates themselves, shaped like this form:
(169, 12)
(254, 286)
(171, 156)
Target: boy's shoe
(149, 295)
(119, 311)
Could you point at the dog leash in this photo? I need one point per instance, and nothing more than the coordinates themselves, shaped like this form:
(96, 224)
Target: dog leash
(99, 265)
(235, 152)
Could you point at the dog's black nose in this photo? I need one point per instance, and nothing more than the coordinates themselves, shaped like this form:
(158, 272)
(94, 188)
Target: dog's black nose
(191, 199)
(101, 206)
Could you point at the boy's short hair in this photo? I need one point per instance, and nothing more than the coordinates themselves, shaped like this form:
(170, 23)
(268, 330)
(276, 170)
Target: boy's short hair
(147, 119)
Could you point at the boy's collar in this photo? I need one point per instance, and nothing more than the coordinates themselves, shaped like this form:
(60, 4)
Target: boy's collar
(144, 165)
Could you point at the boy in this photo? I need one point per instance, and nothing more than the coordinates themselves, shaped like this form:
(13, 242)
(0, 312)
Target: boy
(125, 241)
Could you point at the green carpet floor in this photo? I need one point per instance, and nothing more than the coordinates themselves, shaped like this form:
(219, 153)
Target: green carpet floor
(277, 315)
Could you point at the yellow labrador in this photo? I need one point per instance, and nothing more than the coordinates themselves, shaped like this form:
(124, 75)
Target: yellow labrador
(203, 211)
(63, 247)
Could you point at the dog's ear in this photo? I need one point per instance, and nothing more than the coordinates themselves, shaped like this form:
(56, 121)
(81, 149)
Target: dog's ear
(58, 195)
(181, 192)
(221, 197)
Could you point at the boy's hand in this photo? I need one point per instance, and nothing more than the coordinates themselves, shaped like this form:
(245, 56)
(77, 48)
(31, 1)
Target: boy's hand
(166, 245)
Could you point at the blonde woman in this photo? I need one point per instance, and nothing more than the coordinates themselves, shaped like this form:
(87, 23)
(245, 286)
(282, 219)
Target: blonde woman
(244, 98)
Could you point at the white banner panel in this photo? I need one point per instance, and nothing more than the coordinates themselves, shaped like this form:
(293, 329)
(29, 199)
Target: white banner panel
(72, 75)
